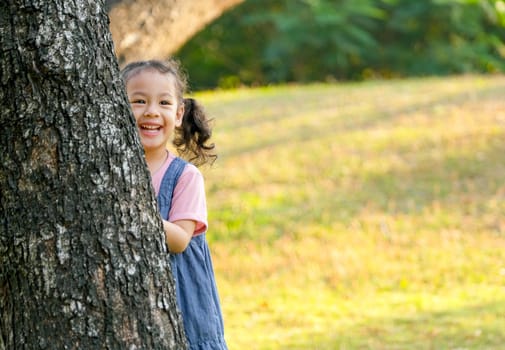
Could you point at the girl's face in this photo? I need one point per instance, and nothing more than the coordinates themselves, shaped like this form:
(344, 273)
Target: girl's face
(156, 108)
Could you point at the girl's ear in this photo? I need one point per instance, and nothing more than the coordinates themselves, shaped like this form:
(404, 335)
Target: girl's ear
(179, 115)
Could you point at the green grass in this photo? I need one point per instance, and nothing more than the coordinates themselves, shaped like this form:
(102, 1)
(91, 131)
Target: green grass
(361, 216)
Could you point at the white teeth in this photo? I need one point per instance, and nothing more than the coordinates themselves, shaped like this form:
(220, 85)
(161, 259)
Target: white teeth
(150, 127)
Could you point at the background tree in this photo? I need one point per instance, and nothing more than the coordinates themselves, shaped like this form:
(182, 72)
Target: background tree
(299, 40)
(83, 261)
(157, 28)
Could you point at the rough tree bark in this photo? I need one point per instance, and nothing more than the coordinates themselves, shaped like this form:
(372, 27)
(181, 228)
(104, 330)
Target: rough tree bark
(157, 28)
(83, 262)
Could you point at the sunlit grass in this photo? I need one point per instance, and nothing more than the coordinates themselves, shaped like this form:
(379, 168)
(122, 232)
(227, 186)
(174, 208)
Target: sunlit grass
(361, 216)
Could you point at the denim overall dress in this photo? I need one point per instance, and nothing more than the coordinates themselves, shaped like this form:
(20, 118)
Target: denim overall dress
(195, 284)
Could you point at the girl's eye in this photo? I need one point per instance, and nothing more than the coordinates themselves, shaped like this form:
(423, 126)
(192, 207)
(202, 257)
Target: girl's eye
(165, 103)
(138, 101)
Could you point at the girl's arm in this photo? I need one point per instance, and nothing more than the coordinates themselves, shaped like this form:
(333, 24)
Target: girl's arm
(178, 234)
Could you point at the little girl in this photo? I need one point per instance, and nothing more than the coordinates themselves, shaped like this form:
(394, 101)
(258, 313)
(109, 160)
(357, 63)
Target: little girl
(155, 90)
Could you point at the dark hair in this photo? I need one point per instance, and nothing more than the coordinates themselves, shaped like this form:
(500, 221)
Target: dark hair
(192, 136)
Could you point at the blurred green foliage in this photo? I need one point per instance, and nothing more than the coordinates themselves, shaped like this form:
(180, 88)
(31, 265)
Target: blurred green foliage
(277, 41)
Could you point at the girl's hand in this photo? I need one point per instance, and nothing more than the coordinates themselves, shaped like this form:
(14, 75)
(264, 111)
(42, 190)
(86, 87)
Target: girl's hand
(178, 234)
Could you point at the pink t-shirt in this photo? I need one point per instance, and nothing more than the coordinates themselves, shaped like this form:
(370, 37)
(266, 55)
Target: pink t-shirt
(188, 202)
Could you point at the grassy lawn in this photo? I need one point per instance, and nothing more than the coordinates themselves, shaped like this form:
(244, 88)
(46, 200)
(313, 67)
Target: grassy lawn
(361, 216)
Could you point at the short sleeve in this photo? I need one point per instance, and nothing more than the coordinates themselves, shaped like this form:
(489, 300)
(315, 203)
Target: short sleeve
(189, 202)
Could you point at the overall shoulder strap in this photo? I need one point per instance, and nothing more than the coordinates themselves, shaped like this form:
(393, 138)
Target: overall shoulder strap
(167, 186)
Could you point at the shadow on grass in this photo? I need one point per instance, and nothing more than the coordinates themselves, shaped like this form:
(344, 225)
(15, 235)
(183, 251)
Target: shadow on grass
(467, 186)
(473, 327)
(342, 116)
(464, 181)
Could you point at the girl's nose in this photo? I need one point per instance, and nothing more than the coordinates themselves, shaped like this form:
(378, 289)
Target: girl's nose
(152, 110)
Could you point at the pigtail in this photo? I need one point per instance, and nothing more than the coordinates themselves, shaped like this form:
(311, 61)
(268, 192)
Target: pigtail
(191, 138)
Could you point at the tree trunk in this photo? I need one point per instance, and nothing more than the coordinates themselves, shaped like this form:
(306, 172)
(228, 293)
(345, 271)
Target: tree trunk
(83, 263)
(145, 29)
